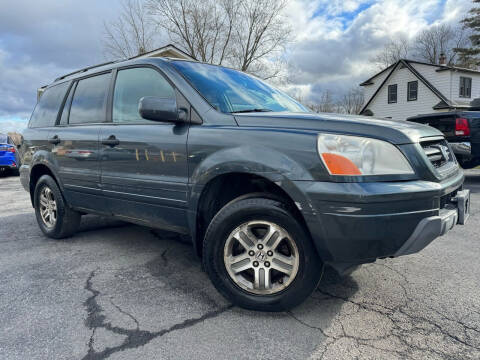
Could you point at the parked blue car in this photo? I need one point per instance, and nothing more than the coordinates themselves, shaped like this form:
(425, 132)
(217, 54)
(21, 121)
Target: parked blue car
(8, 155)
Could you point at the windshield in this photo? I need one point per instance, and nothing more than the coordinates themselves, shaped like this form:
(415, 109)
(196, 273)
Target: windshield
(3, 139)
(232, 91)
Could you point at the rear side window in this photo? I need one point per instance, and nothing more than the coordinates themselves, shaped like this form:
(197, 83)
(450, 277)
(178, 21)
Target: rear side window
(88, 103)
(46, 111)
(133, 84)
(66, 107)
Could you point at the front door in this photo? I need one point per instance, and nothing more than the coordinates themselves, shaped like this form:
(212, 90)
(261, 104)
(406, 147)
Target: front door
(144, 170)
(75, 142)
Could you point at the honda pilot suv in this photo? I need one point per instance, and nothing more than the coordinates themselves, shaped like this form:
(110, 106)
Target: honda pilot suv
(268, 192)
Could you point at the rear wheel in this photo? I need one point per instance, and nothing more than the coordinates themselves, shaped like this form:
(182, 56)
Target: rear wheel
(259, 256)
(55, 218)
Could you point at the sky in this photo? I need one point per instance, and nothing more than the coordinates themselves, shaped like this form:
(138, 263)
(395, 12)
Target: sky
(331, 48)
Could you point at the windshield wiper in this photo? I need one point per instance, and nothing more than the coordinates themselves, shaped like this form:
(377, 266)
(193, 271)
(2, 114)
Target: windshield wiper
(250, 110)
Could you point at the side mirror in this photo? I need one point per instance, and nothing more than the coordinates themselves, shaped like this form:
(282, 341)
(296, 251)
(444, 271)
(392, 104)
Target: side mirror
(161, 109)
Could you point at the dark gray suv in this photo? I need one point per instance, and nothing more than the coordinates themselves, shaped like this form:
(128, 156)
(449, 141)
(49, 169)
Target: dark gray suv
(268, 192)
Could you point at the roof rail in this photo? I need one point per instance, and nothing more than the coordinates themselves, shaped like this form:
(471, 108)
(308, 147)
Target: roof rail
(87, 68)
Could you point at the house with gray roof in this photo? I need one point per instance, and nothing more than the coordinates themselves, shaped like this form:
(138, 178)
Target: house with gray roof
(408, 88)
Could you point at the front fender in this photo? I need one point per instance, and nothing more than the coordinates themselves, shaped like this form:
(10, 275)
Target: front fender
(258, 160)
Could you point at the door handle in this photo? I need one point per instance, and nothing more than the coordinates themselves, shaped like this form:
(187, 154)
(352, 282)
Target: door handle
(111, 141)
(54, 140)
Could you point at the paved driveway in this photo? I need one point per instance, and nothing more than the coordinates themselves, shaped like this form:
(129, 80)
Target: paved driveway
(121, 291)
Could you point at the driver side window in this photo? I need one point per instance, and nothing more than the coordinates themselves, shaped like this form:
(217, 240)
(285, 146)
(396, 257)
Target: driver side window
(133, 84)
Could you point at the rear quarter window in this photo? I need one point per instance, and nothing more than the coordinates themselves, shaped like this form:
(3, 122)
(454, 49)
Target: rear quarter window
(88, 103)
(46, 111)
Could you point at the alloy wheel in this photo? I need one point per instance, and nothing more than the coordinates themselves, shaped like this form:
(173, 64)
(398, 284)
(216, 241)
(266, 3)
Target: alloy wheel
(261, 257)
(48, 207)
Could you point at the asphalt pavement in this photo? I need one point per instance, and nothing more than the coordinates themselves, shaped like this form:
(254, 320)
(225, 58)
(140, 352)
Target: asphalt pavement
(121, 291)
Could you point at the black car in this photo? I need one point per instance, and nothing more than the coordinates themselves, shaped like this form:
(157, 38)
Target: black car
(268, 192)
(462, 131)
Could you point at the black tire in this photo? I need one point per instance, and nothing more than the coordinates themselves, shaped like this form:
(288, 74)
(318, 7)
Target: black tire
(67, 220)
(240, 211)
(468, 164)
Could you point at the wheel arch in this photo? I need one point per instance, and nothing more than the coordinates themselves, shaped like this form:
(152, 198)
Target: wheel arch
(206, 200)
(36, 172)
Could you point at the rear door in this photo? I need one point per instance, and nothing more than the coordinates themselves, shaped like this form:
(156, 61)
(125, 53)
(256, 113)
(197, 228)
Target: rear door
(144, 163)
(76, 141)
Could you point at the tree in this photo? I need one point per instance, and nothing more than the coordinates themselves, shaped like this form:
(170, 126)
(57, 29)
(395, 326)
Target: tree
(203, 29)
(439, 39)
(468, 56)
(260, 31)
(393, 51)
(352, 102)
(131, 34)
(427, 46)
(326, 103)
(244, 34)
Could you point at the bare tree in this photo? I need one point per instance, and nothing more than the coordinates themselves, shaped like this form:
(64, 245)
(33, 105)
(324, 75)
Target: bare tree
(393, 51)
(245, 34)
(439, 39)
(203, 28)
(325, 104)
(352, 102)
(131, 34)
(260, 32)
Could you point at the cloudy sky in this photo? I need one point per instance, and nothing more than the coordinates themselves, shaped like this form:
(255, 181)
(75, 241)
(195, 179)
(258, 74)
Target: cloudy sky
(334, 41)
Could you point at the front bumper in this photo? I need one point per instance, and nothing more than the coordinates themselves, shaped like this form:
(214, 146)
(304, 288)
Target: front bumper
(434, 226)
(355, 223)
(463, 149)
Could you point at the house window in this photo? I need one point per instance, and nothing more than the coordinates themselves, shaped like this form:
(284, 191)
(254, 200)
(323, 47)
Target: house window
(412, 91)
(465, 87)
(392, 94)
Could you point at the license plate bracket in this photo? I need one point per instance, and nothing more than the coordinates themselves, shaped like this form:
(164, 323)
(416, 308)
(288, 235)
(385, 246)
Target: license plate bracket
(463, 205)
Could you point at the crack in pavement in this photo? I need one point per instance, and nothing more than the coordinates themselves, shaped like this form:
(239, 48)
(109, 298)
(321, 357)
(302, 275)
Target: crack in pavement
(134, 337)
(407, 335)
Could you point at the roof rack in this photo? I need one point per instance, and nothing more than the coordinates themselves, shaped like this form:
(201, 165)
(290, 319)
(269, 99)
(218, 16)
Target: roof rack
(87, 68)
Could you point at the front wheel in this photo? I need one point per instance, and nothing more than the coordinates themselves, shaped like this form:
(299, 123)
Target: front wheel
(259, 256)
(55, 218)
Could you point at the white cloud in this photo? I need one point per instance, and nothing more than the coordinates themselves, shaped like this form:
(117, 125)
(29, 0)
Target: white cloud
(333, 41)
(333, 51)
(12, 126)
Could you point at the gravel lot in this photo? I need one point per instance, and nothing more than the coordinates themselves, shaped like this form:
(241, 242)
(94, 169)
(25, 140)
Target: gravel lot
(121, 291)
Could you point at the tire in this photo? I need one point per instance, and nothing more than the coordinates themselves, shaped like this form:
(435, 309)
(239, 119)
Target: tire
(66, 221)
(250, 215)
(468, 164)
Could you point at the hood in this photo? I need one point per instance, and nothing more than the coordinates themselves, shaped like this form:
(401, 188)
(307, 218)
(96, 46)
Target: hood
(394, 131)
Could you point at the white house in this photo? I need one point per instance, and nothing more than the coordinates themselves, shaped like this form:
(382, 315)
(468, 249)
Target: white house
(408, 88)
(170, 51)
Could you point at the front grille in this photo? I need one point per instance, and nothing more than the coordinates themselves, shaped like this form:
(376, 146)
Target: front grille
(438, 152)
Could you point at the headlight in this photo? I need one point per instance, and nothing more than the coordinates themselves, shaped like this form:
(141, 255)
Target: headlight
(354, 155)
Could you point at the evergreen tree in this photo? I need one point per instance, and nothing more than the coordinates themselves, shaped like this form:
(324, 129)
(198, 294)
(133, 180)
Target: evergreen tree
(469, 57)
